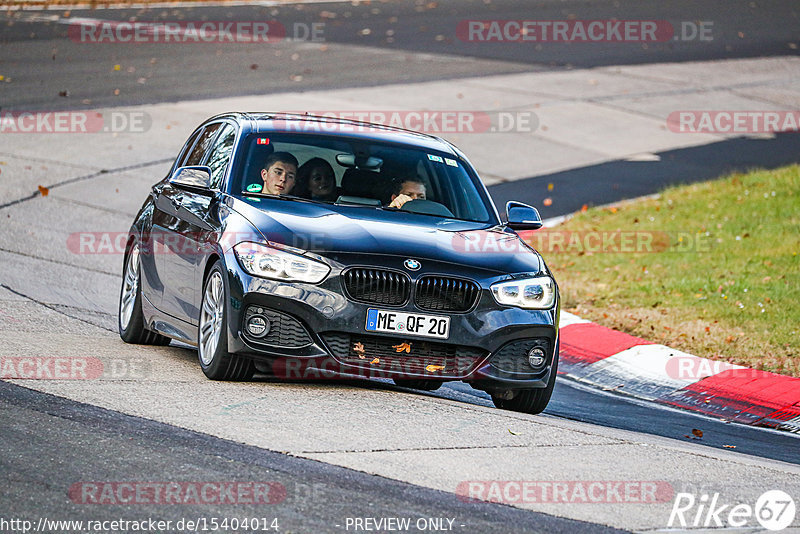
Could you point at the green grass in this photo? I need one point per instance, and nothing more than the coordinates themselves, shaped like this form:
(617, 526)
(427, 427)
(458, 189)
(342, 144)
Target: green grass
(735, 297)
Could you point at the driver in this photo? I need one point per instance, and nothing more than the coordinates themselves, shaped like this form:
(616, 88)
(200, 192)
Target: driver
(406, 189)
(279, 173)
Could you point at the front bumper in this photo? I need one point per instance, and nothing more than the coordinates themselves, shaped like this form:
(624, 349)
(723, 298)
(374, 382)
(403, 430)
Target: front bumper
(334, 324)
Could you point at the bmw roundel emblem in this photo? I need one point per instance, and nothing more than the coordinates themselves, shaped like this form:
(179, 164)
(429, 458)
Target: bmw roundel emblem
(412, 265)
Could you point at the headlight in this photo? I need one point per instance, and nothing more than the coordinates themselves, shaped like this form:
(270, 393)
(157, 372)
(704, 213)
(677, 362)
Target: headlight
(531, 293)
(276, 264)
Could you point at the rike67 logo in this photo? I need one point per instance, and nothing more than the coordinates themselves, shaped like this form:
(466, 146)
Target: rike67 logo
(773, 510)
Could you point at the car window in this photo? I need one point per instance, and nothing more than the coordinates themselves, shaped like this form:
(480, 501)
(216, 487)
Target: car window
(367, 173)
(202, 145)
(220, 154)
(186, 149)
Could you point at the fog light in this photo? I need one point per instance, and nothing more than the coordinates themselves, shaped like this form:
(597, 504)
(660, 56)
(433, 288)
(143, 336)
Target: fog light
(536, 357)
(258, 326)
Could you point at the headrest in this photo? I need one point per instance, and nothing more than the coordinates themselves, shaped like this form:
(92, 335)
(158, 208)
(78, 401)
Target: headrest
(362, 183)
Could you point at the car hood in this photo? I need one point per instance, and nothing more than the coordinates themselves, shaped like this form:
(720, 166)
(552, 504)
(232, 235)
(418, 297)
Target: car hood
(326, 228)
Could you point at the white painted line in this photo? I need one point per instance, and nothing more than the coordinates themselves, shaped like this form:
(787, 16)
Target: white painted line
(640, 371)
(570, 318)
(646, 156)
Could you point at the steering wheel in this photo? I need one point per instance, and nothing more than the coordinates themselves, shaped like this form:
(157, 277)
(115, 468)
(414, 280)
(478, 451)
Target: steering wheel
(427, 207)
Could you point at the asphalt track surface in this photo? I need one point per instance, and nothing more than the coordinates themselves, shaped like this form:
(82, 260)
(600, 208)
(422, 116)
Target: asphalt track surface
(46, 439)
(365, 43)
(319, 496)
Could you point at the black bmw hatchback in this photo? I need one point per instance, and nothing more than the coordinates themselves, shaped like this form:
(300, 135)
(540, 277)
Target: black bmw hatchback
(313, 247)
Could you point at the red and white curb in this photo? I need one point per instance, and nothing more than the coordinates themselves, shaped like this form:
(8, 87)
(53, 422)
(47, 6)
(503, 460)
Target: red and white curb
(613, 360)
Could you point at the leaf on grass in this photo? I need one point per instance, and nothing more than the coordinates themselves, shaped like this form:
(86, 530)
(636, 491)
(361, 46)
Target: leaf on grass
(43, 190)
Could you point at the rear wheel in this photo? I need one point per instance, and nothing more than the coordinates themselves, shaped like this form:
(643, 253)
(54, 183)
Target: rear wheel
(425, 385)
(130, 321)
(212, 334)
(532, 401)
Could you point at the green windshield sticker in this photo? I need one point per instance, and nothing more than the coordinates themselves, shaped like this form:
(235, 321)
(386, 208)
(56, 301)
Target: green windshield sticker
(254, 188)
(451, 162)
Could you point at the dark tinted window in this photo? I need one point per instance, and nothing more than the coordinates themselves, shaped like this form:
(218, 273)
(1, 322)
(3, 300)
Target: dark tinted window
(187, 148)
(220, 155)
(202, 145)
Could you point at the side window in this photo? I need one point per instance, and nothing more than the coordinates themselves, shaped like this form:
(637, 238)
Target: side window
(202, 145)
(220, 155)
(186, 148)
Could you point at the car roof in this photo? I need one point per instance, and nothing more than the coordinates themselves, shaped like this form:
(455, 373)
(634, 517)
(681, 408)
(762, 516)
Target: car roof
(302, 124)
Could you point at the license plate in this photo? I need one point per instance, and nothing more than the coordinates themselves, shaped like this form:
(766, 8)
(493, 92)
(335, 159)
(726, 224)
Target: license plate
(415, 324)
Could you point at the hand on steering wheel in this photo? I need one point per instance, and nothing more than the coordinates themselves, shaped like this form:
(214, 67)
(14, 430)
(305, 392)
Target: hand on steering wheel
(399, 200)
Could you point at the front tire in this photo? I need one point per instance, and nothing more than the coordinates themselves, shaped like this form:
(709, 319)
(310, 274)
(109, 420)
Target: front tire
(532, 401)
(130, 320)
(212, 333)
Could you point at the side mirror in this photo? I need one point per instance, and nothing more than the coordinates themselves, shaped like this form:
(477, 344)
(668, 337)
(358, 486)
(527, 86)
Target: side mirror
(522, 217)
(196, 176)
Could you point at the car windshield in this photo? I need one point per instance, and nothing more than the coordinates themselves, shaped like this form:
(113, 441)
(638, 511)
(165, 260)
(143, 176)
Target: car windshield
(360, 173)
